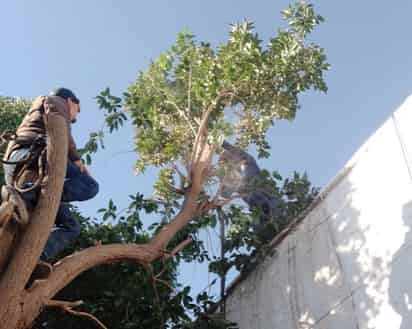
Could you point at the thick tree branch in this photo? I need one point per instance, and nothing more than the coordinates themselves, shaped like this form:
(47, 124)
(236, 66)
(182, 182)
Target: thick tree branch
(71, 266)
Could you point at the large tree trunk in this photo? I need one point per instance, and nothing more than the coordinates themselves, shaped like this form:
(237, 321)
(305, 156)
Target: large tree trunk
(20, 307)
(33, 239)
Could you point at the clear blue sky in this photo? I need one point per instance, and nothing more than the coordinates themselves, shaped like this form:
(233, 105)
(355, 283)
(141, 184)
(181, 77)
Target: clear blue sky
(88, 45)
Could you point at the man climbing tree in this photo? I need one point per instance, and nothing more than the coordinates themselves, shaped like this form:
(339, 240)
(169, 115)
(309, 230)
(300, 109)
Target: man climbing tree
(241, 174)
(23, 153)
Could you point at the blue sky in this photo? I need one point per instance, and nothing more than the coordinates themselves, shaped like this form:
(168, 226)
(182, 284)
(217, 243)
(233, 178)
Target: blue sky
(89, 45)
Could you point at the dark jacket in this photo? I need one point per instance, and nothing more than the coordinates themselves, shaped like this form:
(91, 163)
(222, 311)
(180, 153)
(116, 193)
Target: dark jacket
(33, 126)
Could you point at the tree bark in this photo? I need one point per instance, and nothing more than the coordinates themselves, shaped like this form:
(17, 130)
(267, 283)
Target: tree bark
(8, 233)
(33, 239)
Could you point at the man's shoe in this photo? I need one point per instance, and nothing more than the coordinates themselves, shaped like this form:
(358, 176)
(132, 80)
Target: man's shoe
(40, 272)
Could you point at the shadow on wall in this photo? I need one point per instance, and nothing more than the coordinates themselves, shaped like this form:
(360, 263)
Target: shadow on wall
(346, 265)
(400, 282)
(353, 276)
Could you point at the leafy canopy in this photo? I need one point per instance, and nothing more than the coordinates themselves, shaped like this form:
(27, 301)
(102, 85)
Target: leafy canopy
(256, 84)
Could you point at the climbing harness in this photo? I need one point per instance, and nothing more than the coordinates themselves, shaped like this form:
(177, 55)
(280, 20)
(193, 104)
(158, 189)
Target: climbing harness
(36, 156)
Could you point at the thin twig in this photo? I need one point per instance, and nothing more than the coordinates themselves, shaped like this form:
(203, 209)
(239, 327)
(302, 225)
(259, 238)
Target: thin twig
(157, 297)
(203, 123)
(67, 307)
(216, 203)
(178, 248)
(189, 91)
(234, 197)
(182, 177)
(167, 101)
(182, 114)
(85, 315)
(165, 283)
(199, 136)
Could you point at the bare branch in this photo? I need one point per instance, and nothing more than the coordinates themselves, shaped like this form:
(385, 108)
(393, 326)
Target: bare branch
(199, 140)
(63, 303)
(183, 115)
(67, 307)
(164, 283)
(189, 91)
(183, 178)
(215, 203)
(228, 200)
(85, 315)
(178, 248)
(167, 101)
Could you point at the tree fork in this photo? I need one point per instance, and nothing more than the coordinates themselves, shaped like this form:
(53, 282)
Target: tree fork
(20, 307)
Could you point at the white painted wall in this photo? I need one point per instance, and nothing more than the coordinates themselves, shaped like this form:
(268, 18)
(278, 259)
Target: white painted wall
(348, 264)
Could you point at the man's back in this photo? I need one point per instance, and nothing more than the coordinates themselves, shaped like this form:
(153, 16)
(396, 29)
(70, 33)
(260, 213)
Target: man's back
(33, 127)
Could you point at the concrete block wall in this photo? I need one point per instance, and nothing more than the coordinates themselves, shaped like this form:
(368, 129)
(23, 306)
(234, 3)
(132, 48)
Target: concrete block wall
(348, 263)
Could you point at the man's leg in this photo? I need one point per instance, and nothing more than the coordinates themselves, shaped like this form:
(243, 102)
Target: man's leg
(77, 185)
(66, 230)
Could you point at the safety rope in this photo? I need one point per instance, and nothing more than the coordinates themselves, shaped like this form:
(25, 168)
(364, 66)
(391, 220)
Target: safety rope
(37, 152)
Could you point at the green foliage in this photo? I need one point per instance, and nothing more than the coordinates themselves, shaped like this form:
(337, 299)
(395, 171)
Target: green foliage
(114, 116)
(12, 111)
(246, 243)
(258, 84)
(114, 119)
(92, 146)
(122, 295)
(245, 86)
(125, 295)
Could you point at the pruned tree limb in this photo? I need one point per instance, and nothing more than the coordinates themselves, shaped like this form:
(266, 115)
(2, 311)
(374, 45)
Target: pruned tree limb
(85, 315)
(63, 303)
(67, 307)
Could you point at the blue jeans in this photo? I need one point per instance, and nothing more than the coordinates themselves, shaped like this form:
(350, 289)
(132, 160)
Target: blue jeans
(77, 187)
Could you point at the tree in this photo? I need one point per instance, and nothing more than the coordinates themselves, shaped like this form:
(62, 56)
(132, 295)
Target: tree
(180, 107)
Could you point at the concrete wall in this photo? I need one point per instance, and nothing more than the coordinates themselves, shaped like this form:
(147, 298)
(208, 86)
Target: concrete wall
(348, 264)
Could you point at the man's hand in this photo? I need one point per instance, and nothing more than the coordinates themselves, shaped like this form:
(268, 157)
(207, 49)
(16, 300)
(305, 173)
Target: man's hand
(82, 167)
